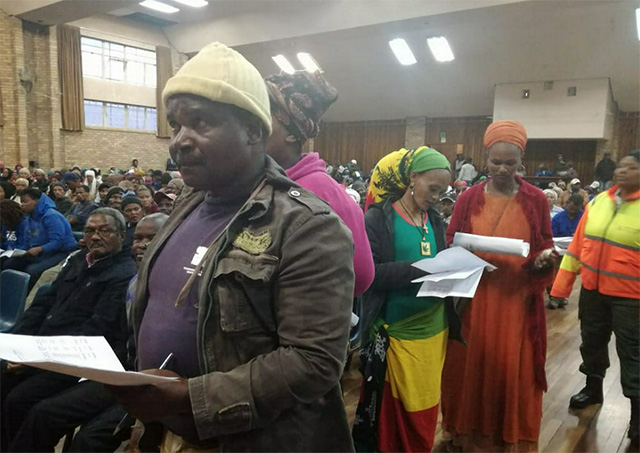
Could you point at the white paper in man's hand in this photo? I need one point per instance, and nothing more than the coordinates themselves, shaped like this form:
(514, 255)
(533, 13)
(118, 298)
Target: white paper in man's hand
(85, 357)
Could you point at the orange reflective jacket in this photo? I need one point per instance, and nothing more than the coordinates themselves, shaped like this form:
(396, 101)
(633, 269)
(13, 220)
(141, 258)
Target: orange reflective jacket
(605, 248)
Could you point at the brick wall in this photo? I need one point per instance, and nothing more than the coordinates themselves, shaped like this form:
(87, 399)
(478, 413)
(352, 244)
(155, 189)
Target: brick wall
(32, 122)
(14, 144)
(104, 148)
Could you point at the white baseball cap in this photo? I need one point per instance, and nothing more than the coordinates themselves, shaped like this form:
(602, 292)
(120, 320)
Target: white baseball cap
(575, 181)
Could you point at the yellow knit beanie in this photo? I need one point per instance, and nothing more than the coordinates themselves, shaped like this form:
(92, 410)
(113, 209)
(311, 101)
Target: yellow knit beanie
(222, 75)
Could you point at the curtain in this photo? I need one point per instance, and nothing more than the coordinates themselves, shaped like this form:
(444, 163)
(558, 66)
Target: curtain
(164, 72)
(70, 75)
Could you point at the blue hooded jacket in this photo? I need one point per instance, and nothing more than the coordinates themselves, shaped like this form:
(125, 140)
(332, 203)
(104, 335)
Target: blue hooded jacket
(17, 239)
(49, 229)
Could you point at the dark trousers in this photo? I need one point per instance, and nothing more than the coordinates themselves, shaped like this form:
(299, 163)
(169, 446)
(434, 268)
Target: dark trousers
(87, 404)
(600, 315)
(20, 392)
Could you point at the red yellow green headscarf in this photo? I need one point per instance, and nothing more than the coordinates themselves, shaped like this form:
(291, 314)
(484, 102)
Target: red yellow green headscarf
(391, 176)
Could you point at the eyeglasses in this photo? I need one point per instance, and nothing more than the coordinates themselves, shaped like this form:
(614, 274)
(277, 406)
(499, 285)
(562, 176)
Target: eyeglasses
(102, 232)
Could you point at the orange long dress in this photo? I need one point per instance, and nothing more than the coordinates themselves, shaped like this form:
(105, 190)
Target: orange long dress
(490, 401)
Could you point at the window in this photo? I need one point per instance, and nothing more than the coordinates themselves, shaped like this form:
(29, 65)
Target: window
(123, 116)
(93, 113)
(115, 115)
(112, 61)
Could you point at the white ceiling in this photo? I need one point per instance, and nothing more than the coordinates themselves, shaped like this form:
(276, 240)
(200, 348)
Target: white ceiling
(515, 41)
(532, 41)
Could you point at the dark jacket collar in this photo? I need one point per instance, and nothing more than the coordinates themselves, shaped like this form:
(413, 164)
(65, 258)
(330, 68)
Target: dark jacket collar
(117, 259)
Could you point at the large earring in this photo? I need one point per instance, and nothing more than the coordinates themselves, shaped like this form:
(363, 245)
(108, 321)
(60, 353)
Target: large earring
(411, 187)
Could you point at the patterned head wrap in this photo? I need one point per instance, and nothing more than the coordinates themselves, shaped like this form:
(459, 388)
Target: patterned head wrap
(392, 174)
(299, 100)
(506, 131)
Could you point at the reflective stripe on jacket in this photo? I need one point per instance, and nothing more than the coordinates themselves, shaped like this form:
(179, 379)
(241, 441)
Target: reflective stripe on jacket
(605, 249)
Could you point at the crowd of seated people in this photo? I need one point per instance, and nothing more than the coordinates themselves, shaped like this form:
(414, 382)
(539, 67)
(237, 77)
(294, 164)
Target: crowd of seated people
(81, 236)
(44, 214)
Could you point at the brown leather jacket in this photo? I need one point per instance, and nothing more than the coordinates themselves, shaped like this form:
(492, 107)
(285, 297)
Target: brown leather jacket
(273, 323)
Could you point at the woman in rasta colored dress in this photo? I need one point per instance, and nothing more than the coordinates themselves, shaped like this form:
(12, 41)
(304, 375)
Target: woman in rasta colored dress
(402, 363)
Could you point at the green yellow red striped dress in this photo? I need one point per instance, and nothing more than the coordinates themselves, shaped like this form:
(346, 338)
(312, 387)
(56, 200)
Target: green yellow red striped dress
(417, 329)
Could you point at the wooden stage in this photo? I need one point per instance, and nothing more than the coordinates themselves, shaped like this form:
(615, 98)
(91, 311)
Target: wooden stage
(596, 429)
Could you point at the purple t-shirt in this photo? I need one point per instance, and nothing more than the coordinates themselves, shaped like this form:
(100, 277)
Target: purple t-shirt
(166, 328)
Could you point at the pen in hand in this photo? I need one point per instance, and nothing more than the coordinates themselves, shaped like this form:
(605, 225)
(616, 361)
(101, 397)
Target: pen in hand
(124, 419)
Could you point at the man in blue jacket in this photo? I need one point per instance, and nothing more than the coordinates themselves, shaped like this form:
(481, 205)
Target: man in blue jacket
(49, 236)
(565, 223)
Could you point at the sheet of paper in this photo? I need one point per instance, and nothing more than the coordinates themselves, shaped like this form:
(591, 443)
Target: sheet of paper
(465, 287)
(490, 244)
(561, 244)
(453, 259)
(450, 275)
(84, 357)
(10, 253)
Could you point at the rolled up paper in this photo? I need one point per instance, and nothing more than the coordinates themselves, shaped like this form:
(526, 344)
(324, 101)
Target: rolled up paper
(490, 244)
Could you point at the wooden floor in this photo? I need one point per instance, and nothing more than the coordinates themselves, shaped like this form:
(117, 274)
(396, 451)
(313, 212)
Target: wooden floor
(596, 429)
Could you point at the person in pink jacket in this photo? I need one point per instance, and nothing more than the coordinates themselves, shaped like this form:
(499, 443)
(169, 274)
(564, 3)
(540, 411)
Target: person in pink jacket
(298, 101)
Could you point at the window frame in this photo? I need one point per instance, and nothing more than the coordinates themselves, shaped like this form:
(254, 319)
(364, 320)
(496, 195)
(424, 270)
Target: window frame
(111, 53)
(149, 114)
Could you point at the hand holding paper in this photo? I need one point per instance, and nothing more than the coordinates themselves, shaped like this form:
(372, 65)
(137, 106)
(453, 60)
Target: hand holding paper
(87, 357)
(453, 272)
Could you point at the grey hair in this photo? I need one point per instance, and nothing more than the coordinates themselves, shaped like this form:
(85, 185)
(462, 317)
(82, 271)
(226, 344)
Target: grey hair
(39, 171)
(116, 215)
(158, 219)
(551, 192)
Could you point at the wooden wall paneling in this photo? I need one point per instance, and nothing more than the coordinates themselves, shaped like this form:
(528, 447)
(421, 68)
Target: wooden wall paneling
(628, 133)
(465, 131)
(366, 141)
(581, 152)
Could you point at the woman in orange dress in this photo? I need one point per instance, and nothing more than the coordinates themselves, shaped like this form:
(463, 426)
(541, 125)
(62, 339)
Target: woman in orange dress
(492, 387)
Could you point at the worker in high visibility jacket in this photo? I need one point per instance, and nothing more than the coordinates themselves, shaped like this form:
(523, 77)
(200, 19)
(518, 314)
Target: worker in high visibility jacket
(606, 251)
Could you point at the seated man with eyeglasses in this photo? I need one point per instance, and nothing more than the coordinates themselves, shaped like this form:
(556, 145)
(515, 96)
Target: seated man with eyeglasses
(87, 298)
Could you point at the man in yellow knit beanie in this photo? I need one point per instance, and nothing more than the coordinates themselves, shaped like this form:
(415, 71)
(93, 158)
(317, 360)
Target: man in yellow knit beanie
(249, 284)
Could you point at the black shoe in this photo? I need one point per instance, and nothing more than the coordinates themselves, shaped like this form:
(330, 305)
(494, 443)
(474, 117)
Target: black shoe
(563, 302)
(589, 395)
(634, 423)
(553, 303)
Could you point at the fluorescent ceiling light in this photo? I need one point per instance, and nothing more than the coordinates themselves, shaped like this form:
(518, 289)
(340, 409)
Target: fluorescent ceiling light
(440, 48)
(638, 22)
(194, 3)
(309, 63)
(402, 51)
(284, 64)
(159, 6)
